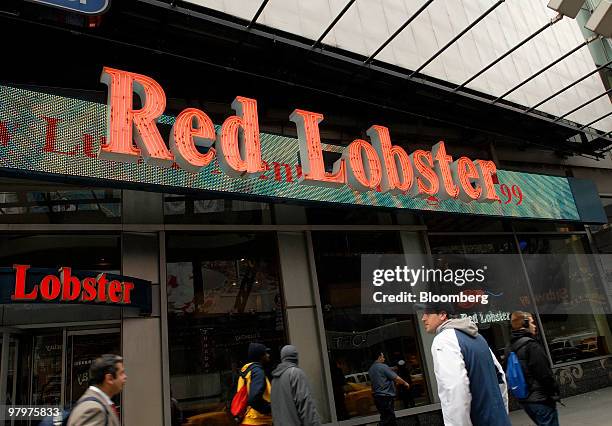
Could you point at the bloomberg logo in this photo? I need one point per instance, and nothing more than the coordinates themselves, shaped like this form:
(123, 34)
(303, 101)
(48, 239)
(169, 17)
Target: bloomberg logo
(88, 7)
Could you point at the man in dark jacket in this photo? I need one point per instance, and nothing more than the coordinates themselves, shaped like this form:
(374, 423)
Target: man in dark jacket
(540, 404)
(292, 403)
(258, 411)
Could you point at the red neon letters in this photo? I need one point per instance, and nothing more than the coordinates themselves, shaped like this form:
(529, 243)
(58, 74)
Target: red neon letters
(364, 166)
(396, 162)
(311, 153)
(192, 126)
(238, 142)
(68, 288)
(123, 118)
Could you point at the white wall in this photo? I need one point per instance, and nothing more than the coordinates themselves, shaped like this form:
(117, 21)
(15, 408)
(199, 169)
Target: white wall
(368, 23)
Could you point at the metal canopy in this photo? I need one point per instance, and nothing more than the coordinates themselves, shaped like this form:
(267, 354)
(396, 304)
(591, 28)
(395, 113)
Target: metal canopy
(333, 23)
(569, 86)
(552, 64)
(457, 37)
(596, 120)
(563, 128)
(398, 31)
(259, 11)
(531, 37)
(583, 105)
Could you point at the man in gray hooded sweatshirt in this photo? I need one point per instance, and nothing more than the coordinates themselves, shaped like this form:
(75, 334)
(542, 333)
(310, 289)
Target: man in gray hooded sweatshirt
(292, 403)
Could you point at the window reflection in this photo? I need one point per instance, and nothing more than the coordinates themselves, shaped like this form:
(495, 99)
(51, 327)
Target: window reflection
(496, 333)
(352, 338)
(34, 204)
(223, 293)
(201, 209)
(570, 337)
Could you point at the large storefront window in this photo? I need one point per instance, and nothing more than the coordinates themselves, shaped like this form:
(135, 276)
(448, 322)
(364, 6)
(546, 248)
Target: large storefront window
(352, 338)
(496, 332)
(572, 336)
(202, 209)
(602, 234)
(31, 202)
(223, 293)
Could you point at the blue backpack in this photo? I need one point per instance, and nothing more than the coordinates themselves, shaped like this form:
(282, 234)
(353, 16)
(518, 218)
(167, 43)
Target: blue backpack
(514, 374)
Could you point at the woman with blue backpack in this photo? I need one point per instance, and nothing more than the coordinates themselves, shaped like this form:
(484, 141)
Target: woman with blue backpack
(530, 377)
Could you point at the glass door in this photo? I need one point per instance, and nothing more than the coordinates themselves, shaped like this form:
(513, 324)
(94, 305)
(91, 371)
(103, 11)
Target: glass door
(84, 346)
(47, 369)
(11, 367)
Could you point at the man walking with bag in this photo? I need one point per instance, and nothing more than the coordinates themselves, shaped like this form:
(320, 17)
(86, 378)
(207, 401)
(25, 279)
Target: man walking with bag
(542, 389)
(292, 402)
(95, 408)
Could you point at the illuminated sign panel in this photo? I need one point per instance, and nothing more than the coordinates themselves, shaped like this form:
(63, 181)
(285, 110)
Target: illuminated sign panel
(24, 284)
(239, 146)
(62, 136)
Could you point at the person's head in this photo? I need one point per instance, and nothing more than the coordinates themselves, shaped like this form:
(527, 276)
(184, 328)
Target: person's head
(107, 374)
(379, 356)
(289, 353)
(435, 315)
(523, 320)
(413, 359)
(258, 353)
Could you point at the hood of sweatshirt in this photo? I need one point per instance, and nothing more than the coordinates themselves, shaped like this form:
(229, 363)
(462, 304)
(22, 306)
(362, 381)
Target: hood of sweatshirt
(289, 358)
(463, 324)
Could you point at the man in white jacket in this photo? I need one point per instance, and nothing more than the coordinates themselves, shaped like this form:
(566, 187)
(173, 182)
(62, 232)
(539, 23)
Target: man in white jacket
(471, 382)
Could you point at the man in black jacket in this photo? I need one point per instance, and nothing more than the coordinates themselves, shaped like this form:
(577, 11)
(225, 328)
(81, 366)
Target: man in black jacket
(540, 403)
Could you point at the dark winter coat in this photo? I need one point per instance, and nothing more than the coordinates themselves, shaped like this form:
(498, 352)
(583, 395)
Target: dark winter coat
(541, 382)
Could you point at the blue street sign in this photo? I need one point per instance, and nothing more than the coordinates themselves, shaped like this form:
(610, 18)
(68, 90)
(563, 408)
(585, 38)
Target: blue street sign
(88, 7)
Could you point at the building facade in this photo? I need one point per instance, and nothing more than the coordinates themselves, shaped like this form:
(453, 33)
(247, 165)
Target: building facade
(198, 263)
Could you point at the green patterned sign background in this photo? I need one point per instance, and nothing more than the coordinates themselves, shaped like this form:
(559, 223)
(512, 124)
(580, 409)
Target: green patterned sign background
(57, 135)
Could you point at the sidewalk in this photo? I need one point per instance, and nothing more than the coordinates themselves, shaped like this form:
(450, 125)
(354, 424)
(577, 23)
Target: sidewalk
(588, 409)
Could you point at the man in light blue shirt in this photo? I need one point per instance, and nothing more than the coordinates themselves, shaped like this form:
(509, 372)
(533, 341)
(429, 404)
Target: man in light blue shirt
(383, 380)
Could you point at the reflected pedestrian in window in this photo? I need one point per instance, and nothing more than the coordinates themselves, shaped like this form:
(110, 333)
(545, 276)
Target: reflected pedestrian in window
(338, 385)
(383, 380)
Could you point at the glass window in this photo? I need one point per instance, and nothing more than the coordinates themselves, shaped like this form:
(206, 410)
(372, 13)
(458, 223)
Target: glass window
(444, 222)
(546, 226)
(497, 333)
(204, 209)
(47, 368)
(28, 202)
(352, 338)
(223, 293)
(570, 337)
(335, 215)
(602, 234)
